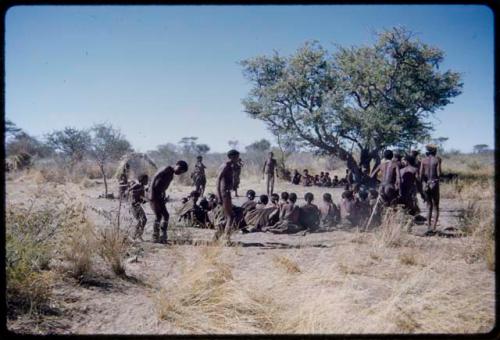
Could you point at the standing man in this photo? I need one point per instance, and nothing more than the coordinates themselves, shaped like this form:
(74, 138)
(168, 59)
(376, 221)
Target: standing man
(123, 181)
(409, 178)
(391, 178)
(269, 169)
(224, 185)
(430, 172)
(236, 175)
(159, 184)
(137, 193)
(198, 175)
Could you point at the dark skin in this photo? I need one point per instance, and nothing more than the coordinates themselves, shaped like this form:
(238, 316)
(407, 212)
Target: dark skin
(390, 175)
(430, 172)
(408, 184)
(200, 170)
(159, 185)
(270, 167)
(224, 184)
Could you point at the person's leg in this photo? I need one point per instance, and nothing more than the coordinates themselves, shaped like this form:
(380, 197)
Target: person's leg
(272, 183)
(268, 185)
(436, 204)
(142, 220)
(156, 225)
(429, 212)
(164, 224)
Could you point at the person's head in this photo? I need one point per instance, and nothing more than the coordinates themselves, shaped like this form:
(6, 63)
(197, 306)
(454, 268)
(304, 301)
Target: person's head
(431, 150)
(251, 195)
(348, 194)
(292, 197)
(316, 176)
(327, 174)
(199, 158)
(295, 172)
(321, 173)
(233, 155)
(194, 195)
(284, 196)
(336, 177)
(143, 179)
(180, 167)
(388, 154)
(204, 203)
(327, 197)
(263, 199)
(306, 171)
(414, 153)
(275, 198)
(270, 154)
(410, 159)
(309, 197)
(363, 195)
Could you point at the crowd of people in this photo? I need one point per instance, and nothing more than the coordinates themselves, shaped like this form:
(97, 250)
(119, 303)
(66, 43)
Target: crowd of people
(402, 177)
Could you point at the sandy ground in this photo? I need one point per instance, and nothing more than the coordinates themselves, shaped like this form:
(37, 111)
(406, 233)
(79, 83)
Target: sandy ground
(347, 280)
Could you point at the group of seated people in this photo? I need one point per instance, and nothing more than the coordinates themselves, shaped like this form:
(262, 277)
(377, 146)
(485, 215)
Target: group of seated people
(321, 180)
(280, 213)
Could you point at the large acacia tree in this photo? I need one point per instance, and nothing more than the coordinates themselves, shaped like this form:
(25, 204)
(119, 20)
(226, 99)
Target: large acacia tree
(356, 100)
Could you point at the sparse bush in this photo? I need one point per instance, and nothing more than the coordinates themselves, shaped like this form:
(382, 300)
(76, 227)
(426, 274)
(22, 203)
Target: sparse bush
(394, 226)
(80, 246)
(113, 244)
(32, 235)
(408, 259)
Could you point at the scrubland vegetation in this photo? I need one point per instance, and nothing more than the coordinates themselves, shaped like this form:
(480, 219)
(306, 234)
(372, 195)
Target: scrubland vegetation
(384, 280)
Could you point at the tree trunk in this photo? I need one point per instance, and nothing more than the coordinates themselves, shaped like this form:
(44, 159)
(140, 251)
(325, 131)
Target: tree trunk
(101, 166)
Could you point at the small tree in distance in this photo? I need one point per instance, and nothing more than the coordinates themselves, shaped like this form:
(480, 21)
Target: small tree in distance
(70, 143)
(107, 144)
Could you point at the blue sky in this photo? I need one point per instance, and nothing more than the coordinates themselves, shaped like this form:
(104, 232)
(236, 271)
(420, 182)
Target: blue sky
(160, 73)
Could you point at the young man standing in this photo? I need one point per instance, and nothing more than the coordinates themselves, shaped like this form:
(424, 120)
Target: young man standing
(430, 172)
(270, 167)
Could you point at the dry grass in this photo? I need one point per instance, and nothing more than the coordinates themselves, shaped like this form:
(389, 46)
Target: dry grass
(289, 265)
(208, 299)
(112, 245)
(79, 250)
(393, 230)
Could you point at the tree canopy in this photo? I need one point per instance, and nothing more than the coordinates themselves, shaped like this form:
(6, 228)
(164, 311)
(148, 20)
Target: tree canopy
(368, 98)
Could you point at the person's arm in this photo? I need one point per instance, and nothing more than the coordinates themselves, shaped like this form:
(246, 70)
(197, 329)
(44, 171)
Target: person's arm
(439, 172)
(420, 171)
(398, 180)
(375, 171)
(218, 184)
(276, 169)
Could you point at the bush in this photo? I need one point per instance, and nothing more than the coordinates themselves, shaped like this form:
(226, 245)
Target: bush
(113, 244)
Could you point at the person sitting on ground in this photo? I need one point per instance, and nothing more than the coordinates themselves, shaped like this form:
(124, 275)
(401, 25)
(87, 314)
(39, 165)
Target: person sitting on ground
(212, 201)
(330, 214)
(348, 207)
(289, 221)
(309, 213)
(250, 204)
(335, 181)
(275, 198)
(191, 212)
(306, 179)
(296, 177)
(262, 216)
(284, 199)
(321, 178)
(327, 181)
(262, 203)
(317, 181)
(363, 207)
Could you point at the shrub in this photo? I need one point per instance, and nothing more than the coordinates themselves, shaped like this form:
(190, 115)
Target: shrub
(113, 244)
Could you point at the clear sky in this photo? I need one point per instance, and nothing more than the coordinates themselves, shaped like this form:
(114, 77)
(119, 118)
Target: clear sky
(160, 73)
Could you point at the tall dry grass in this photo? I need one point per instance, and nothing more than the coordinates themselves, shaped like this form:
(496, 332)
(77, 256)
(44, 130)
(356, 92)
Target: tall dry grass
(209, 299)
